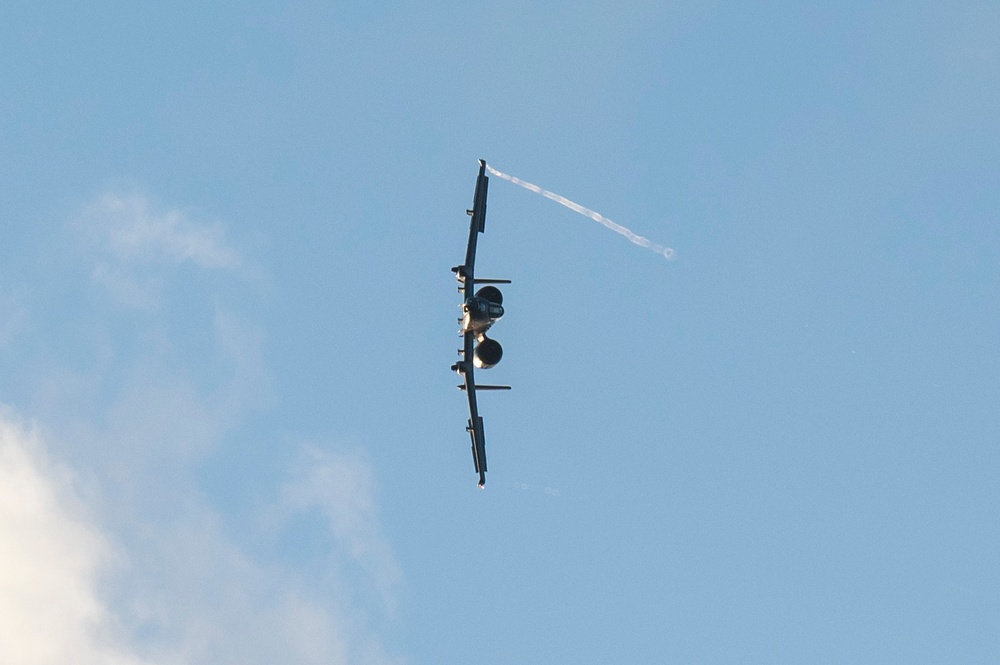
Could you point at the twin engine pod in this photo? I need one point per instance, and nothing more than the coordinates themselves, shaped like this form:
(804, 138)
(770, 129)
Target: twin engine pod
(490, 293)
(488, 351)
(487, 354)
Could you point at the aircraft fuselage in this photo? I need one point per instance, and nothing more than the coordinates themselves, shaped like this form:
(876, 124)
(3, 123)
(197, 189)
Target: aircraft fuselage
(478, 314)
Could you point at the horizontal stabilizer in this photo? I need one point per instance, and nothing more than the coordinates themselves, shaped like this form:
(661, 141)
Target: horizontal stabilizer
(490, 281)
(481, 387)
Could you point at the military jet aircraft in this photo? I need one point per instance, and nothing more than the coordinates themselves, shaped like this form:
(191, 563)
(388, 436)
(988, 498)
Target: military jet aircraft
(479, 311)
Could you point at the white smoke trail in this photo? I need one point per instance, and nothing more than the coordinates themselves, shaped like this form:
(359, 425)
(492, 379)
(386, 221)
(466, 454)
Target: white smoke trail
(667, 252)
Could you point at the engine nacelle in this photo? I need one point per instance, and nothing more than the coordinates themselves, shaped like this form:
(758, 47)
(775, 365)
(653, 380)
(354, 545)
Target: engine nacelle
(490, 293)
(487, 354)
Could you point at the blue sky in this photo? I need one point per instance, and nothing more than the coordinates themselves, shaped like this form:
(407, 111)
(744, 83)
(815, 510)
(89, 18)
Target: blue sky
(229, 433)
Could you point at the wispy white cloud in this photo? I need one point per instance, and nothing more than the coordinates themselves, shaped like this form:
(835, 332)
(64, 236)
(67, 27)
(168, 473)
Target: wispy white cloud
(133, 232)
(132, 242)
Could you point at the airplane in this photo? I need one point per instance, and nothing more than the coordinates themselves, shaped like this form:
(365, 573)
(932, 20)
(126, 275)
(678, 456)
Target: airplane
(479, 311)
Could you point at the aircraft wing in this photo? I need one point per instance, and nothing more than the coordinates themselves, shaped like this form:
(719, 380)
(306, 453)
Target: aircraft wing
(475, 426)
(466, 271)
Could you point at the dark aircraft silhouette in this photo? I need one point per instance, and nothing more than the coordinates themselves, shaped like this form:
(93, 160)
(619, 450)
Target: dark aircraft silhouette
(479, 312)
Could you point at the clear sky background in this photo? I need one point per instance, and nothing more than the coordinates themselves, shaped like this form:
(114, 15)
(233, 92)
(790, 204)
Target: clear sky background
(229, 432)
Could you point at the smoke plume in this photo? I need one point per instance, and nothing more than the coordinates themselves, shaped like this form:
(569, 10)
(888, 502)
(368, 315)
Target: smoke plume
(667, 252)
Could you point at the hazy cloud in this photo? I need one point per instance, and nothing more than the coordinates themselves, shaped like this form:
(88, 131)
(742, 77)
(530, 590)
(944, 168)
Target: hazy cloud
(168, 589)
(145, 567)
(340, 486)
(12, 319)
(51, 562)
(195, 597)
